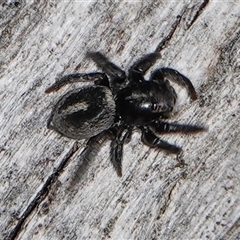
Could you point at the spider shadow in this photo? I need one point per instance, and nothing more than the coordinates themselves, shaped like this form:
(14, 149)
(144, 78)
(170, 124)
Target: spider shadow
(86, 158)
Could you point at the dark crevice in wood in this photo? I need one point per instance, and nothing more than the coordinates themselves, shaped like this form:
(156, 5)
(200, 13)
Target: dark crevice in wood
(166, 39)
(200, 10)
(42, 193)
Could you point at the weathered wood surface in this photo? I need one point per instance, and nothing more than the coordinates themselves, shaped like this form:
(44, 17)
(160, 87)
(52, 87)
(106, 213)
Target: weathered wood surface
(46, 194)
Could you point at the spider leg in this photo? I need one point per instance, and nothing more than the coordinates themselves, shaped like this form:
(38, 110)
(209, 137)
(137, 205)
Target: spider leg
(116, 147)
(139, 68)
(49, 125)
(153, 141)
(165, 127)
(176, 77)
(116, 73)
(97, 77)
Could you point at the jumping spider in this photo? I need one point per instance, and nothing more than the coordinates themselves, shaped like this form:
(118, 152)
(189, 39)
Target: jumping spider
(116, 103)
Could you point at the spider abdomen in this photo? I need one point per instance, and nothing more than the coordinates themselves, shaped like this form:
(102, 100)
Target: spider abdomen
(84, 112)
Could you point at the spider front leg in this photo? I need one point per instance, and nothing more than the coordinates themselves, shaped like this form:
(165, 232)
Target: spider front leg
(97, 77)
(153, 141)
(176, 77)
(165, 127)
(139, 68)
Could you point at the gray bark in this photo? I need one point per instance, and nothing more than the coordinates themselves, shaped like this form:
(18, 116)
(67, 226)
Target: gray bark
(50, 191)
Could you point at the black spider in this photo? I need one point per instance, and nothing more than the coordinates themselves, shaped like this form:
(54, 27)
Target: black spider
(118, 102)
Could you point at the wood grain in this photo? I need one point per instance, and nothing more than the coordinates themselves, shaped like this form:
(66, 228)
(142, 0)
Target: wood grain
(49, 190)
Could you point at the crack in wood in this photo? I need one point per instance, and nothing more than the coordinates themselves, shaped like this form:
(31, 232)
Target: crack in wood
(198, 13)
(166, 39)
(92, 147)
(41, 195)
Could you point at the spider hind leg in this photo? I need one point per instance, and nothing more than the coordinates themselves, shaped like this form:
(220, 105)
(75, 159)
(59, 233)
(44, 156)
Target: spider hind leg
(115, 72)
(96, 77)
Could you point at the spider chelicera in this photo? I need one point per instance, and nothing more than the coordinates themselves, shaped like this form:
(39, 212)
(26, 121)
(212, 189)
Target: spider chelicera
(116, 103)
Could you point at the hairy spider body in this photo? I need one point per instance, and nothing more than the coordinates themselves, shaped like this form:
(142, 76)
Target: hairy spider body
(117, 103)
(84, 113)
(141, 103)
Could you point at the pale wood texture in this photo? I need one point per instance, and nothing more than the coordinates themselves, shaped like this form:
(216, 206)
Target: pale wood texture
(45, 191)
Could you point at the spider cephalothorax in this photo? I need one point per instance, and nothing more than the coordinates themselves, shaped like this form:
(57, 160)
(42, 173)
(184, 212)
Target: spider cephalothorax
(116, 103)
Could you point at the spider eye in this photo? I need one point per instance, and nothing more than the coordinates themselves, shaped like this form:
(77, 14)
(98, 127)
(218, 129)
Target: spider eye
(161, 107)
(154, 107)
